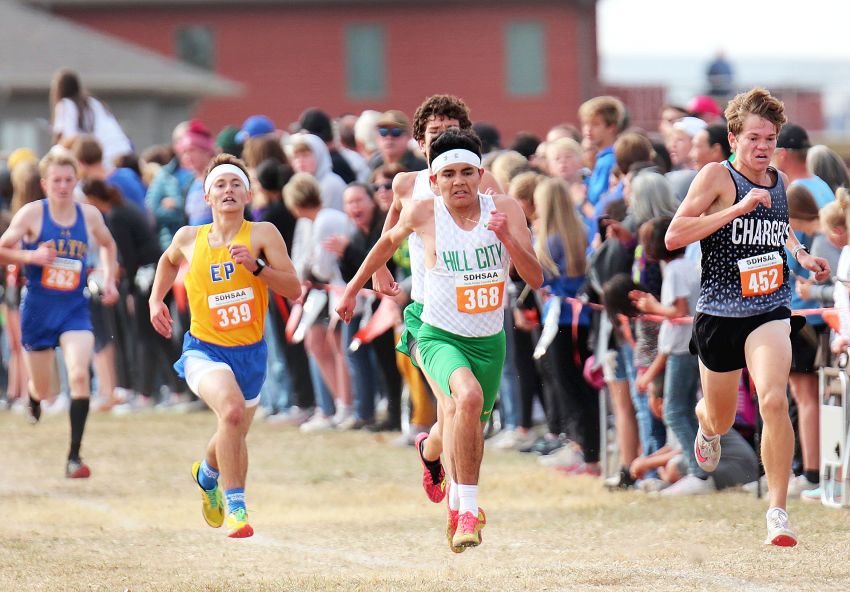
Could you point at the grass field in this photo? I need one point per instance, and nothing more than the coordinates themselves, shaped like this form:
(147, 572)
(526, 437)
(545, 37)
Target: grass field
(344, 511)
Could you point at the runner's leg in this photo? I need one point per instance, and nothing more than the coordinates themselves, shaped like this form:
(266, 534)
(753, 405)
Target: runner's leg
(768, 351)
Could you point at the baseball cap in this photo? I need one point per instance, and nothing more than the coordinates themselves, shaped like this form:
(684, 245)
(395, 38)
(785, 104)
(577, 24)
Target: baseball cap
(256, 125)
(226, 140)
(793, 137)
(394, 118)
(703, 104)
(19, 156)
(317, 123)
(195, 135)
(690, 125)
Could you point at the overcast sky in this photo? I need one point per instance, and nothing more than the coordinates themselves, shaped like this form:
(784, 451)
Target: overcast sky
(818, 29)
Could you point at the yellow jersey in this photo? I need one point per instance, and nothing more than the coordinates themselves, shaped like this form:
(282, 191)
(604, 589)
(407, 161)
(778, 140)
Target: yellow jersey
(227, 302)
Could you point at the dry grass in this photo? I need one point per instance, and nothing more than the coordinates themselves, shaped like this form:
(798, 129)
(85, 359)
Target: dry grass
(345, 512)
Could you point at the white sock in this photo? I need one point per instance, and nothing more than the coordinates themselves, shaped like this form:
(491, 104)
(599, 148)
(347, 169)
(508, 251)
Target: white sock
(468, 499)
(774, 509)
(708, 438)
(454, 498)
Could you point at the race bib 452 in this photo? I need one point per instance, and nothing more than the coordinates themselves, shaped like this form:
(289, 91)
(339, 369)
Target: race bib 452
(761, 274)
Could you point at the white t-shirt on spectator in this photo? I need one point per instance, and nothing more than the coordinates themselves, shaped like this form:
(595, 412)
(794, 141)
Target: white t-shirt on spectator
(680, 281)
(98, 122)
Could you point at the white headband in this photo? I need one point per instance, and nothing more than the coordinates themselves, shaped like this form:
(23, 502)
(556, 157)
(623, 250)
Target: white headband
(223, 169)
(454, 157)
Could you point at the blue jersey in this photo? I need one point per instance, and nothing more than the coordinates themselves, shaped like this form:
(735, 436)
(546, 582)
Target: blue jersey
(54, 301)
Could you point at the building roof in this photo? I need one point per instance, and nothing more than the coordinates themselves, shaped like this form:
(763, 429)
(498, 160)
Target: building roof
(35, 44)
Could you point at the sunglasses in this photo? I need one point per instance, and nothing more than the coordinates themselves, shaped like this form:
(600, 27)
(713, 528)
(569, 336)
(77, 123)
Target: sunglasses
(382, 186)
(395, 132)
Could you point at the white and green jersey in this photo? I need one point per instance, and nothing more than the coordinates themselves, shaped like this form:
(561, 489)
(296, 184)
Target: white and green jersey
(465, 289)
(416, 249)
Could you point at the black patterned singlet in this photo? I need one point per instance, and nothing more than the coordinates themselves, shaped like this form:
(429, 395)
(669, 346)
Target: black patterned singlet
(757, 236)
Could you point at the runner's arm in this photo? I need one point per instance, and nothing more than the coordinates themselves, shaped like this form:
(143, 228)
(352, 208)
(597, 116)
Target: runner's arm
(279, 274)
(516, 237)
(378, 256)
(166, 273)
(691, 223)
(17, 229)
(382, 279)
(169, 263)
(108, 249)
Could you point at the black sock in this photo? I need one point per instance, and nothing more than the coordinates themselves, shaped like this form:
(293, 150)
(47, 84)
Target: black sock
(433, 466)
(813, 476)
(79, 413)
(35, 407)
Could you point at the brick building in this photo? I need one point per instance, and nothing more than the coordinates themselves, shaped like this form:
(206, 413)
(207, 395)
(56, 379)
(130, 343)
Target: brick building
(522, 66)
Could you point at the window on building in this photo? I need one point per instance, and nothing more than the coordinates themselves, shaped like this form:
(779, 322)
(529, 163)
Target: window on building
(20, 133)
(365, 61)
(196, 46)
(525, 55)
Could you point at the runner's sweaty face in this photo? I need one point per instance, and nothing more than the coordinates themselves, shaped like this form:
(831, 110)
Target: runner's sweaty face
(458, 183)
(227, 194)
(755, 145)
(59, 182)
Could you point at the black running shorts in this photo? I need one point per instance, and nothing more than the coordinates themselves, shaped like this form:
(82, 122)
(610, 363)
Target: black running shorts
(719, 341)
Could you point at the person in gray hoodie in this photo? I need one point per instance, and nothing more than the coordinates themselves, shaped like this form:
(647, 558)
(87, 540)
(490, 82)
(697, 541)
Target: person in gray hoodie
(309, 154)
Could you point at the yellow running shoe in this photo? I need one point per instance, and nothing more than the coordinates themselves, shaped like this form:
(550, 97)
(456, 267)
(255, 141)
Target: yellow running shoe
(237, 524)
(468, 533)
(213, 504)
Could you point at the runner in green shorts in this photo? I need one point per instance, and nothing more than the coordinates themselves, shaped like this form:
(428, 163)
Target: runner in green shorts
(442, 353)
(470, 240)
(407, 342)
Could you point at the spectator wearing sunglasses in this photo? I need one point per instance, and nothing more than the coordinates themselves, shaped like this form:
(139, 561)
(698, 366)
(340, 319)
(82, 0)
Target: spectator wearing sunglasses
(394, 143)
(382, 184)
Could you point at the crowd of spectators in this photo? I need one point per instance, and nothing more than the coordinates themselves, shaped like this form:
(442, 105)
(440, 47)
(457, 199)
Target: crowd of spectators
(611, 321)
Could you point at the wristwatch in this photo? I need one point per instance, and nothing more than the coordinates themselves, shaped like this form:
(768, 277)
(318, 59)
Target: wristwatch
(797, 249)
(261, 265)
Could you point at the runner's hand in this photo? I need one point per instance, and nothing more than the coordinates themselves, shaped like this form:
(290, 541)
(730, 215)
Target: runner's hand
(161, 318)
(498, 224)
(345, 307)
(242, 255)
(43, 255)
(109, 294)
(817, 265)
(752, 200)
(384, 283)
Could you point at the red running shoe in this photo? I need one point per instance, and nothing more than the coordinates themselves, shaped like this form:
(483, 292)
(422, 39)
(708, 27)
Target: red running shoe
(468, 533)
(435, 491)
(77, 469)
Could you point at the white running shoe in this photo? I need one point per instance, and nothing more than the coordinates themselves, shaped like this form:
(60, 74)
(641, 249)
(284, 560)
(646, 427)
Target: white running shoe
(752, 486)
(797, 485)
(511, 439)
(778, 531)
(691, 485)
(652, 485)
(318, 423)
(707, 452)
(567, 456)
